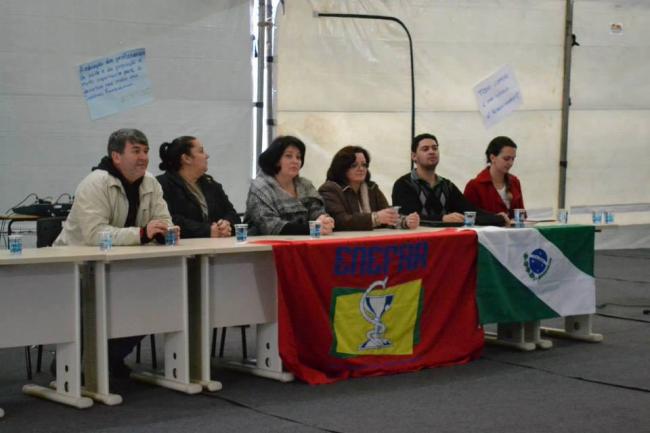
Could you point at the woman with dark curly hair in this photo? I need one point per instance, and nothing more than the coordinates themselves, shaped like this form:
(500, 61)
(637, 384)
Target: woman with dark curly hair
(355, 202)
(280, 202)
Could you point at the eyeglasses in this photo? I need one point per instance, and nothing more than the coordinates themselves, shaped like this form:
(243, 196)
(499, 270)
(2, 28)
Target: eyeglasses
(357, 165)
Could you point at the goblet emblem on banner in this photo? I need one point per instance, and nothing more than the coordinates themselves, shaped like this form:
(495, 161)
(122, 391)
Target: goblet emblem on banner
(372, 309)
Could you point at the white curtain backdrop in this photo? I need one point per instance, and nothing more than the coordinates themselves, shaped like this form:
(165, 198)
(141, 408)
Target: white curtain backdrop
(198, 55)
(609, 127)
(339, 82)
(346, 81)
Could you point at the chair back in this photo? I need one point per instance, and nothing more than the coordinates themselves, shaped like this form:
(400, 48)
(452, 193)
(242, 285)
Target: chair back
(47, 229)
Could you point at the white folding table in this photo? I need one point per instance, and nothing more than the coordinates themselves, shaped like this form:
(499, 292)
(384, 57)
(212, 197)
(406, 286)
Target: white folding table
(235, 284)
(41, 305)
(138, 290)
(527, 336)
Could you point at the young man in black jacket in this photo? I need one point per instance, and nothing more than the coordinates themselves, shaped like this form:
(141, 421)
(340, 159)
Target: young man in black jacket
(432, 196)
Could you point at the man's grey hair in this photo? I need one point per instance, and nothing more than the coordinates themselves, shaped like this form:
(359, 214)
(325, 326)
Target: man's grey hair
(118, 139)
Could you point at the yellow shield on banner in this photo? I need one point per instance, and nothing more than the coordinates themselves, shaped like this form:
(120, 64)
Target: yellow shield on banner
(376, 321)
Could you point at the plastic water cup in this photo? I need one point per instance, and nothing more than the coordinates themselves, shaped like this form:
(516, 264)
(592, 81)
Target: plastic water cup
(170, 237)
(105, 240)
(609, 217)
(519, 217)
(314, 229)
(562, 216)
(597, 217)
(396, 209)
(470, 218)
(241, 233)
(15, 244)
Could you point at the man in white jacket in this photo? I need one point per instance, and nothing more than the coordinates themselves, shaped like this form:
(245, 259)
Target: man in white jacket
(119, 196)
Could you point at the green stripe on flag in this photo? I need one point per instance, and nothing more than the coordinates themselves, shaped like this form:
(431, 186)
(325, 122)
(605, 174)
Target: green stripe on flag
(502, 298)
(576, 242)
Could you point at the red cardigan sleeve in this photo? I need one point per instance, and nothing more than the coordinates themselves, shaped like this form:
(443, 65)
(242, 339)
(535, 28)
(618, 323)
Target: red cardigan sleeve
(471, 193)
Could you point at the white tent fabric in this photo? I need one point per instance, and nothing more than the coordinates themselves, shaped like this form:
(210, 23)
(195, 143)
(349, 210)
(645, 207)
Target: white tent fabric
(198, 55)
(609, 127)
(340, 82)
(346, 81)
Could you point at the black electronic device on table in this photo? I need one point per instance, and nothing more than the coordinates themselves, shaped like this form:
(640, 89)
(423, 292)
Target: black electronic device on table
(44, 208)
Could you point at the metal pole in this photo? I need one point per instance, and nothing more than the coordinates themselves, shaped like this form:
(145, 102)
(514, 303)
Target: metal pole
(259, 103)
(270, 66)
(408, 34)
(569, 41)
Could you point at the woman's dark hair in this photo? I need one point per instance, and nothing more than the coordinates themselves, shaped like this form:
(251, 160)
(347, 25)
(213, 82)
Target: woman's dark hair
(498, 143)
(268, 160)
(170, 153)
(343, 161)
(418, 138)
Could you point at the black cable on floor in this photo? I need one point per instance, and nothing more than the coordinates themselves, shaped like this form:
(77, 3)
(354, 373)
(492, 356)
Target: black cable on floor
(582, 379)
(631, 319)
(254, 409)
(626, 256)
(605, 304)
(622, 280)
(615, 304)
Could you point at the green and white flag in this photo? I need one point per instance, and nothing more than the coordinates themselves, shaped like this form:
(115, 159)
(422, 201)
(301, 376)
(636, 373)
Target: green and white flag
(535, 273)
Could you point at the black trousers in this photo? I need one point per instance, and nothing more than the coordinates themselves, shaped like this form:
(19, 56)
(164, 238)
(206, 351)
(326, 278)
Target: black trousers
(119, 348)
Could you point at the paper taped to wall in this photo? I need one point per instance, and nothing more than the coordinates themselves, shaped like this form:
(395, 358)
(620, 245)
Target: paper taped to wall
(498, 95)
(115, 83)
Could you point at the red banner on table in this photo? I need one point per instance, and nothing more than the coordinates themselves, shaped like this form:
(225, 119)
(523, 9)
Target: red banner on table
(377, 305)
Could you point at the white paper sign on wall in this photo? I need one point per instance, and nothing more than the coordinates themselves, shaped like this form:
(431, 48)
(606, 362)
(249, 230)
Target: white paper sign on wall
(498, 95)
(115, 83)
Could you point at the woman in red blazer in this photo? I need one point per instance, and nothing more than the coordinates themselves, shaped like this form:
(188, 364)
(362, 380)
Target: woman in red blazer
(494, 189)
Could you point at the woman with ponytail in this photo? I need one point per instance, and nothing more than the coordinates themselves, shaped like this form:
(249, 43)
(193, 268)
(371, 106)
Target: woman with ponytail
(197, 203)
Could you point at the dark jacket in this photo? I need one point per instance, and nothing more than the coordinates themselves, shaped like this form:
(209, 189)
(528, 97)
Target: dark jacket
(342, 203)
(186, 210)
(442, 199)
(481, 192)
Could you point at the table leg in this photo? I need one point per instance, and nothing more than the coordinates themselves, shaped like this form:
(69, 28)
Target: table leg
(511, 335)
(243, 291)
(532, 335)
(176, 375)
(199, 323)
(96, 336)
(575, 328)
(268, 362)
(67, 387)
(176, 347)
